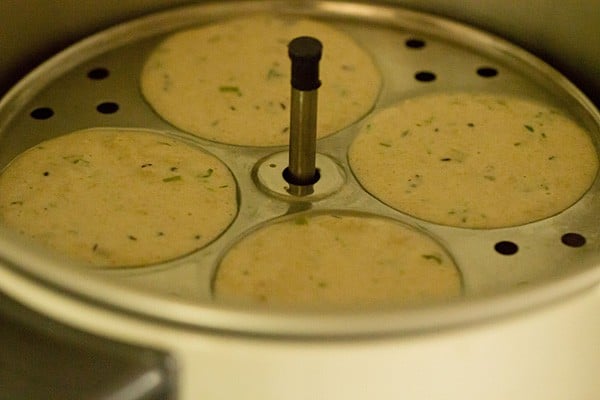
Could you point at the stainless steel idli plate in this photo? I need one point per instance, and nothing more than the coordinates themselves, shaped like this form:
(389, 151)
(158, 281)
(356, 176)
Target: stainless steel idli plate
(95, 83)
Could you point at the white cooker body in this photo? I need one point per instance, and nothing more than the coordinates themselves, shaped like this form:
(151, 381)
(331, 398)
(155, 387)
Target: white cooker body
(549, 352)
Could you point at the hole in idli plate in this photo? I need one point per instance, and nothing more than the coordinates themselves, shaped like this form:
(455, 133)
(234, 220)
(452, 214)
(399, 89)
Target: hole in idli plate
(487, 72)
(98, 74)
(573, 239)
(414, 43)
(107, 107)
(42, 113)
(506, 248)
(425, 76)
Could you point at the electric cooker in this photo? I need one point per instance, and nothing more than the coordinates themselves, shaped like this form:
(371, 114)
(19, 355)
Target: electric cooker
(527, 326)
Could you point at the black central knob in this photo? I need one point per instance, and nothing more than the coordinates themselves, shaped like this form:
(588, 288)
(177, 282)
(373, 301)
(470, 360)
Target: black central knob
(305, 53)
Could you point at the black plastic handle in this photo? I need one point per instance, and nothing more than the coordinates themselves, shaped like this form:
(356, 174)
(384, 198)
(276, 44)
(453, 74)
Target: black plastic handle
(305, 53)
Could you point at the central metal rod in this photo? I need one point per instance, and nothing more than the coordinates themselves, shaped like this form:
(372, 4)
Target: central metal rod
(305, 53)
(303, 138)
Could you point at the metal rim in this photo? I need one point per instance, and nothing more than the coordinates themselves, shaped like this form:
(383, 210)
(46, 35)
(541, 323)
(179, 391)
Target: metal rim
(26, 265)
(37, 267)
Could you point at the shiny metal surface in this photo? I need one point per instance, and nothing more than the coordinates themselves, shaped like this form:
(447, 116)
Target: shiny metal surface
(564, 33)
(303, 137)
(42, 359)
(179, 292)
(269, 177)
(305, 55)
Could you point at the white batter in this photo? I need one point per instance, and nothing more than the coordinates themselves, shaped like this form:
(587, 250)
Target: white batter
(474, 160)
(117, 197)
(230, 81)
(336, 261)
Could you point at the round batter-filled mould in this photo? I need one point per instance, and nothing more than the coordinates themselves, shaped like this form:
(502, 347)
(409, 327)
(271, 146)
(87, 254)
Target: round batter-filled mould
(118, 197)
(195, 80)
(474, 160)
(337, 260)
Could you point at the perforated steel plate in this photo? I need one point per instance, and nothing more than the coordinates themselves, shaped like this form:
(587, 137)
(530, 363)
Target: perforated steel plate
(96, 83)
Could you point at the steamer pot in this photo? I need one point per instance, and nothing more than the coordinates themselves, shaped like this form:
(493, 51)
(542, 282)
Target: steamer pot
(504, 340)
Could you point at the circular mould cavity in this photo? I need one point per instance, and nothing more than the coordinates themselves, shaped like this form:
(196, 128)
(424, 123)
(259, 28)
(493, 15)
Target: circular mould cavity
(573, 239)
(243, 95)
(42, 113)
(113, 197)
(335, 259)
(269, 175)
(474, 160)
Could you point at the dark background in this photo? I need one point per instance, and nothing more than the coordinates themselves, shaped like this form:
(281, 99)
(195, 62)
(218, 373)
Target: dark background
(565, 33)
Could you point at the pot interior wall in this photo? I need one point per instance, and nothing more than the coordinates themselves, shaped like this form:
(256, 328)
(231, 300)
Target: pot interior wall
(566, 34)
